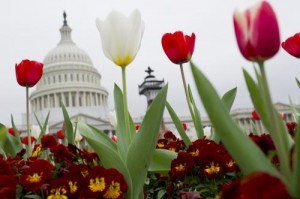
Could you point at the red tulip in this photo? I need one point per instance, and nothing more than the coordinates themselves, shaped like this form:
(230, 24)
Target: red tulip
(178, 47)
(28, 73)
(257, 32)
(255, 115)
(26, 141)
(114, 138)
(292, 45)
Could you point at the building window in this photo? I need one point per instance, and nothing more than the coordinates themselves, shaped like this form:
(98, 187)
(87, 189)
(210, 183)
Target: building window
(77, 77)
(71, 77)
(66, 77)
(59, 78)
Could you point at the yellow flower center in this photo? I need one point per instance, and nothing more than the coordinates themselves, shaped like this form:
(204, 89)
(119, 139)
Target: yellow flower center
(58, 193)
(195, 153)
(212, 169)
(37, 151)
(123, 61)
(230, 164)
(172, 149)
(180, 167)
(160, 145)
(34, 178)
(84, 173)
(73, 186)
(97, 184)
(113, 191)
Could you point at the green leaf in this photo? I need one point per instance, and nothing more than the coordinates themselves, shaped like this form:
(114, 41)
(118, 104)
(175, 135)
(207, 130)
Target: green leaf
(178, 125)
(229, 97)
(8, 143)
(257, 100)
(197, 118)
(247, 155)
(161, 161)
(18, 139)
(296, 164)
(123, 137)
(68, 124)
(298, 82)
(100, 135)
(43, 128)
(143, 144)
(106, 150)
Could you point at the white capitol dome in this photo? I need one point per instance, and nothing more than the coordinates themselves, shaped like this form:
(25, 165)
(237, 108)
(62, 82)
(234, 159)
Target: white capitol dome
(70, 77)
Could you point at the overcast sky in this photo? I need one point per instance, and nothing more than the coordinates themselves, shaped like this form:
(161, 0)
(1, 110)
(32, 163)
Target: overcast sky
(30, 29)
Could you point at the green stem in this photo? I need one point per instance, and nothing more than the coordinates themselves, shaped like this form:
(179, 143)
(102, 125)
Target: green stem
(282, 148)
(186, 93)
(126, 116)
(28, 123)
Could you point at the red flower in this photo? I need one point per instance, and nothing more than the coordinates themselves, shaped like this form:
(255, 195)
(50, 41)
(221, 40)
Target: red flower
(58, 188)
(12, 131)
(96, 182)
(61, 153)
(8, 187)
(38, 173)
(5, 168)
(116, 183)
(48, 141)
(184, 125)
(181, 166)
(60, 134)
(28, 72)
(256, 185)
(178, 47)
(25, 140)
(114, 138)
(257, 32)
(255, 115)
(292, 45)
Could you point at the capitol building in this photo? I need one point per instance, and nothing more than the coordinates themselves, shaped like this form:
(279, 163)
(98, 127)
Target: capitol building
(69, 77)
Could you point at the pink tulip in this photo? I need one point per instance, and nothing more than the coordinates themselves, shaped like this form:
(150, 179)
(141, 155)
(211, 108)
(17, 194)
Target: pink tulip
(257, 32)
(114, 138)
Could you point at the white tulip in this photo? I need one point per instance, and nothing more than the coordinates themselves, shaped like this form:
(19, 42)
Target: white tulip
(121, 36)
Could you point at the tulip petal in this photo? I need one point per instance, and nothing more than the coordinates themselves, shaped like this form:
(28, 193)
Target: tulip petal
(121, 36)
(292, 45)
(265, 31)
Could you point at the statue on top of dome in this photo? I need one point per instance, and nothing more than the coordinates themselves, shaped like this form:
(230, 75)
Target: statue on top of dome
(65, 19)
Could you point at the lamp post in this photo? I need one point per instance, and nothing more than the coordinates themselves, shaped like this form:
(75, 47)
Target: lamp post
(150, 87)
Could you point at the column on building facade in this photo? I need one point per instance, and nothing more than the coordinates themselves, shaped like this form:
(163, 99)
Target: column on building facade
(42, 101)
(91, 99)
(77, 95)
(83, 99)
(62, 97)
(49, 104)
(55, 100)
(70, 99)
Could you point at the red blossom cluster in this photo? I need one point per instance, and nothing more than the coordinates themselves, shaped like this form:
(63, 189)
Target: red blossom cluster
(58, 171)
(170, 142)
(256, 185)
